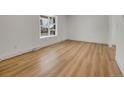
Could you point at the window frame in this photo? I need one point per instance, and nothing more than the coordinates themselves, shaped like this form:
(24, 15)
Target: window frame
(56, 29)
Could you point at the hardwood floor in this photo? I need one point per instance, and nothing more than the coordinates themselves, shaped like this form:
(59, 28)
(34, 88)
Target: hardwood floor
(68, 58)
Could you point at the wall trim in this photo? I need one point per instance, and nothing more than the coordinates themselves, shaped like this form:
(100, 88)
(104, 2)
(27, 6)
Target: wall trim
(0, 59)
(119, 66)
(7, 56)
(89, 42)
(110, 45)
(14, 54)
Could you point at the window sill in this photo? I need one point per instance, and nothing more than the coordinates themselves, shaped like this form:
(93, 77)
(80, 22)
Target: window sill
(41, 37)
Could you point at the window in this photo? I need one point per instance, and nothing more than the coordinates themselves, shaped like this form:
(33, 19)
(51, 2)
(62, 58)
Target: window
(48, 26)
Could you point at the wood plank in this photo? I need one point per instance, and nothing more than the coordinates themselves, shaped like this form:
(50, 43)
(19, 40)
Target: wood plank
(65, 59)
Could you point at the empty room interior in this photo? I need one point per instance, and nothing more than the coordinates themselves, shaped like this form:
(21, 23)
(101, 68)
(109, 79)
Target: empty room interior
(61, 45)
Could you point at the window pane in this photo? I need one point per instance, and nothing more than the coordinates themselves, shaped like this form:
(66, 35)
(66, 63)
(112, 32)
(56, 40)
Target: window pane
(47, 25)
(44, 23)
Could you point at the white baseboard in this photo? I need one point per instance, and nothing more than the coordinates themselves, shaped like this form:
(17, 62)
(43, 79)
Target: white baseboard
(89, 41)
(0, 59)
(110, 45)
(7, 56)
(120, 67)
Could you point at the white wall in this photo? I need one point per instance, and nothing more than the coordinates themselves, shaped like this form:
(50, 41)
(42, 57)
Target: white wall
(113, 29)
(118, 39)
(89, 28)
(21, 33)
